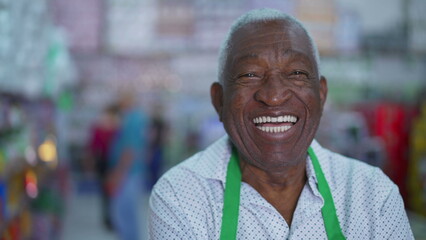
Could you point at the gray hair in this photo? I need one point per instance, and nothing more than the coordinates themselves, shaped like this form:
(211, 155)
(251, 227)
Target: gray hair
(256, 16)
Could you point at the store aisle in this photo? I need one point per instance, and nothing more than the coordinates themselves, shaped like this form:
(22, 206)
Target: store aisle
(83, 218)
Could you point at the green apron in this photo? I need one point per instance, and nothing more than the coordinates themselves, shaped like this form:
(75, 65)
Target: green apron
(231, 200)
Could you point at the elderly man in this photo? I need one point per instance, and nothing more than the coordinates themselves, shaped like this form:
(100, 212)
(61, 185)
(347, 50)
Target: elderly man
(268, 178)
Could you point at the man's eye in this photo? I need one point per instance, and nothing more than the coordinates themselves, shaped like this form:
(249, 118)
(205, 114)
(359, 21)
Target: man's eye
(248, 79)
(298, 73)
(249, 75)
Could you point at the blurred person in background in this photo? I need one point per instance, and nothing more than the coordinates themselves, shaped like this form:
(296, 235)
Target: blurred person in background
(102, 134)
(158, 135)
(268, 178)
(126, 167)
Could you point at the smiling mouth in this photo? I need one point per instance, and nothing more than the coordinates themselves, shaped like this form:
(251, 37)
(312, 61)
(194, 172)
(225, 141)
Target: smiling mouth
(275, 124)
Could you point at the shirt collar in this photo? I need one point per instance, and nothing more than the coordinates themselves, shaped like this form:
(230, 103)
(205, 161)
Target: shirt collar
(310, 172)
(214, 160)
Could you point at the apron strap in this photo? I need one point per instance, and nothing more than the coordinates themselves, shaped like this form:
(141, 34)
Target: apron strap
(231, 202)
(231, 199)
(331, 222)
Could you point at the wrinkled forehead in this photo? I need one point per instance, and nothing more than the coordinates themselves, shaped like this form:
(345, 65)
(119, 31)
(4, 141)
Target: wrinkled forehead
(271, 34)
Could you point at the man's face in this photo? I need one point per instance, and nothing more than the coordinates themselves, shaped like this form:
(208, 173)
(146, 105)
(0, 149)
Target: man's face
(271, 99)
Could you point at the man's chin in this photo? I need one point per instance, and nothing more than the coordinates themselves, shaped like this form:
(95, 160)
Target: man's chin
(274, 162)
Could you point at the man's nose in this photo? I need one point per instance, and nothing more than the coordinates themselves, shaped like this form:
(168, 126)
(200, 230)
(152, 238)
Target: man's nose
(274, 92)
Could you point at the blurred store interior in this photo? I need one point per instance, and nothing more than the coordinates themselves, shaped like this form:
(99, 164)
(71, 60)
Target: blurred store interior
(63, 62)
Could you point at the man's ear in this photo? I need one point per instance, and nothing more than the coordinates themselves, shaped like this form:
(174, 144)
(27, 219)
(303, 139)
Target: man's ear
(216, 94)
(323, 90)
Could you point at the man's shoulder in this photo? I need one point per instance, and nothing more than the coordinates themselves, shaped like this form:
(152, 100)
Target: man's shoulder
(183, 171)
(344, 172)
(209, 164)
(364, 196)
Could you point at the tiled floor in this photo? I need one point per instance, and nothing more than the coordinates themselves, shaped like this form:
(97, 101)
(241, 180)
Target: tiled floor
(83, 218)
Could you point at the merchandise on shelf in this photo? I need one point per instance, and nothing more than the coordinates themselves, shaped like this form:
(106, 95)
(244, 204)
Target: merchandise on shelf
(3, 200)
(417, 168)
(28, 163)
(389, 122)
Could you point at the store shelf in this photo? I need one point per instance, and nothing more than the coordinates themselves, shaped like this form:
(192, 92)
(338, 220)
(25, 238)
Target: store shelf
(21, 206)
(24, 174)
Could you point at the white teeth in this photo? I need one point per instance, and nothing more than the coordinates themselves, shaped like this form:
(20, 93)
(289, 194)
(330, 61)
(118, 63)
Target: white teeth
(280, 119)
(274, 129)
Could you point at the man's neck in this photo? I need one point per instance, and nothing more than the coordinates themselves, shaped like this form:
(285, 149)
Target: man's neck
(280, 188)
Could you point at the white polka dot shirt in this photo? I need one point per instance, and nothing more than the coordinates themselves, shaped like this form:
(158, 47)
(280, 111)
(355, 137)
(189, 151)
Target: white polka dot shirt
(187, 201)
